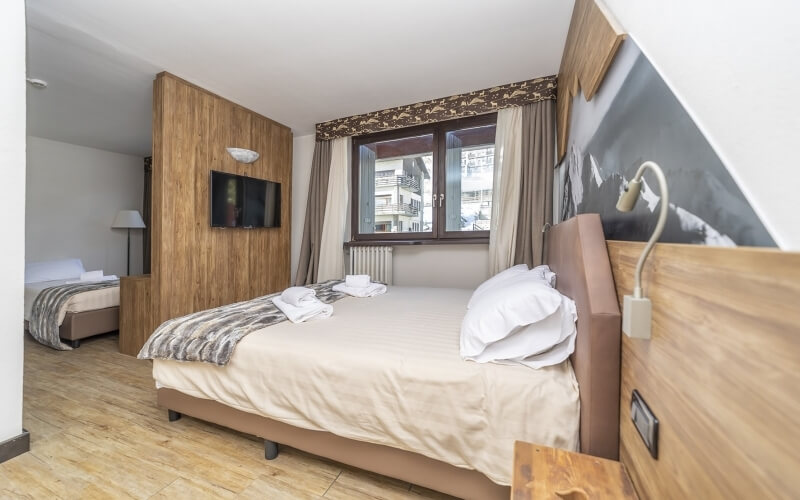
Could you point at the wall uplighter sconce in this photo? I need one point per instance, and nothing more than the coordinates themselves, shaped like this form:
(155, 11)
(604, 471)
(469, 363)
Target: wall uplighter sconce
(243, 155)
(637, 310)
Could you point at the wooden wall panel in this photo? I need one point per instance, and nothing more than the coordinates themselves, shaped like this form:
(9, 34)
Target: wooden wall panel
(134, 313)
(592, 42)
(160, 143)
(195, 266)
(721, 371)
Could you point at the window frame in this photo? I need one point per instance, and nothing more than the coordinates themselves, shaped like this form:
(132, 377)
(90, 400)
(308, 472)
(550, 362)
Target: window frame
(439, 233)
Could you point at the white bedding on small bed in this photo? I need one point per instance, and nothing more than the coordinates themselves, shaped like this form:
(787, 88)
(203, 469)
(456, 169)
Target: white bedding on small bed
(387, 370)
(82, 302)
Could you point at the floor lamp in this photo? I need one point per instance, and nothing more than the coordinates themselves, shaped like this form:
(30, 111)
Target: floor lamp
(128, 219)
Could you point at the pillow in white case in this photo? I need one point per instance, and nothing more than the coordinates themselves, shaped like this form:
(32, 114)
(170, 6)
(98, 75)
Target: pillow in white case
(502, 278)
(503, 310)
(496, 281)
(52, 270)
(557, 354)
(544, 343)
(544, 273)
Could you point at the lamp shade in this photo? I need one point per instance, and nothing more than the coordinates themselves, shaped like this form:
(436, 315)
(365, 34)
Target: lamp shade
(243, 155)
(128, 219)
(627, 199)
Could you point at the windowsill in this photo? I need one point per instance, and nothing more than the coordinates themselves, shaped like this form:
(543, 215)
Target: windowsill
(391, 243)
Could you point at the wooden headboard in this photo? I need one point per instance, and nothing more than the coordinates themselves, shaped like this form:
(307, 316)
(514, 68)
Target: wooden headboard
(576, 251)
(721, 371)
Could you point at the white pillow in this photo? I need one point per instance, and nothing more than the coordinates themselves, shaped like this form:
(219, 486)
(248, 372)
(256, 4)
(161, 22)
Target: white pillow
(52, 270)
(543, 272)
(503, 310)
(547, 342)
(558, 354)
(502, 278)
(496, 281)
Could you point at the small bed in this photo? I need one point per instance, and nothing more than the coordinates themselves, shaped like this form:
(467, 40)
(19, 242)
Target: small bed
(381, 385)
(82, 315)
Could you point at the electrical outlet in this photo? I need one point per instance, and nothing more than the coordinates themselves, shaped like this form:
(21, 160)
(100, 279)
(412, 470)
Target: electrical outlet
(645, 422)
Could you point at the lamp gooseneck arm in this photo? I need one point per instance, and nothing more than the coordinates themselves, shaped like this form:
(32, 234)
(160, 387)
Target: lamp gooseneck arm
(662, 220)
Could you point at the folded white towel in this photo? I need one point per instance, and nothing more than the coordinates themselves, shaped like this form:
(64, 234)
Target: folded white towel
(92, 275)
(371, 290)
(298, 295)
(357, 280)
(310, 310)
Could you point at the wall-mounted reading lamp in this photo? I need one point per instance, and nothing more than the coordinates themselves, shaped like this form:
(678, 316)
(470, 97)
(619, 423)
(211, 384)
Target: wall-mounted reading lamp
(636, 308)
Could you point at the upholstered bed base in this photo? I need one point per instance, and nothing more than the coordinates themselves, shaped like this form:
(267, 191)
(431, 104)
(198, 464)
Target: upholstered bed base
(79, 325)
(400, 464)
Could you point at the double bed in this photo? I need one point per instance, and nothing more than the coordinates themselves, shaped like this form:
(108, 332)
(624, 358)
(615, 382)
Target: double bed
(381, 386)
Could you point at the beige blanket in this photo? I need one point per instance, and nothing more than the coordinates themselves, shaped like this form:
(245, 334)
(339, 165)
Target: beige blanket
(386, 370)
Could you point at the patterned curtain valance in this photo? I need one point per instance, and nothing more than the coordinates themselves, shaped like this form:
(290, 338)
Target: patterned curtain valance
(478, 102)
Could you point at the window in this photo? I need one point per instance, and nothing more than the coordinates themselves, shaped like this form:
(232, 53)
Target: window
(430, 183)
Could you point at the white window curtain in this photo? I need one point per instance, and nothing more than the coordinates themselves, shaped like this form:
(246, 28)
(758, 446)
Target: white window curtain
(505, 186)
(334, 224)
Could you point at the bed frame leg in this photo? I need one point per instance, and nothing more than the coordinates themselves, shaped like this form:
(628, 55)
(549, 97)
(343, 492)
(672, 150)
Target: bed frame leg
(270, 449)
(173, 415)
(74, 343)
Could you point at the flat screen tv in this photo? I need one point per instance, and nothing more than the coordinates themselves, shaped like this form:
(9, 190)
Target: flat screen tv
(239, 201)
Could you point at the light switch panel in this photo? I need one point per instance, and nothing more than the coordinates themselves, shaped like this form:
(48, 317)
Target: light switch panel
(645, 422)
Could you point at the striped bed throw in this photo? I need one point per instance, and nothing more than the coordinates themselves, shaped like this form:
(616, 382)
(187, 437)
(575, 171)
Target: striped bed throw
(43, 325)
(211, 336)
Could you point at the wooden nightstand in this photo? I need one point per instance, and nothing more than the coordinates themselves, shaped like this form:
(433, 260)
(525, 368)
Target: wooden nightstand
(545, 473)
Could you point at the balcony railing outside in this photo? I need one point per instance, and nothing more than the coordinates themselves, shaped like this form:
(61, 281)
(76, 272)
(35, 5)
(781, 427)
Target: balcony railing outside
(475, 196)
(403, 181)
(397, 209)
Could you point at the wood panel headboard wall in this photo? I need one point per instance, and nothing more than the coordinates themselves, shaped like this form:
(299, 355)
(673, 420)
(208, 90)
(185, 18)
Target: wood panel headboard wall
(592, 42)
(194, 266)
(721, 371)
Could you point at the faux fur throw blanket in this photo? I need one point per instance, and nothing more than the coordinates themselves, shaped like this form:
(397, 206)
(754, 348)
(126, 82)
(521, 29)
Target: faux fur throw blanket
(43, 324)
(211, 336)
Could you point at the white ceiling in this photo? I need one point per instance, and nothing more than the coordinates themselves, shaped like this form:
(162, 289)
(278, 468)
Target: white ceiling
(297, 62)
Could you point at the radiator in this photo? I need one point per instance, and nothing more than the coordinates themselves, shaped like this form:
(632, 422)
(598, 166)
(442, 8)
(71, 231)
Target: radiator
(375, 261)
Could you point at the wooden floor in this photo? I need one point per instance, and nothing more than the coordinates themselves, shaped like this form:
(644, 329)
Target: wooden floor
(96, 433)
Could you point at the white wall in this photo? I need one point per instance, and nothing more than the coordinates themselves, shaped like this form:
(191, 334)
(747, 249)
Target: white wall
(12, 263)
(734, 66)
(452, 266)
(73, 193)
(458, 266)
